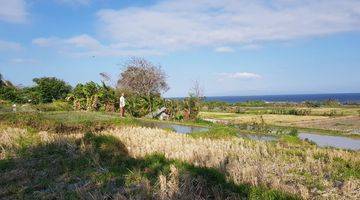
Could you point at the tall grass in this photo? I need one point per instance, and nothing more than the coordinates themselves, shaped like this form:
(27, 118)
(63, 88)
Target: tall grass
(99, 166)
(310, 172)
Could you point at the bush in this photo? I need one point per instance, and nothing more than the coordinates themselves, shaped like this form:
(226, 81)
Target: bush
(51, 88)
(300, 112)
(10, 94)
(294, 132)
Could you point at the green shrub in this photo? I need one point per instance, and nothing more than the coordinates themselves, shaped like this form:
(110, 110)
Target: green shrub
(51, 88)
(294, 132)
(10, 94)
(300, 112)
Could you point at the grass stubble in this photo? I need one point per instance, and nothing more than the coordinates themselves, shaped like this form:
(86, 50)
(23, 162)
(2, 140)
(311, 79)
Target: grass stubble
(143, 163)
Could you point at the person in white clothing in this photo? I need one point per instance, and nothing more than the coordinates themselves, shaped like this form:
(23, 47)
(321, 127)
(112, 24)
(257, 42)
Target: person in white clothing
(122, 105)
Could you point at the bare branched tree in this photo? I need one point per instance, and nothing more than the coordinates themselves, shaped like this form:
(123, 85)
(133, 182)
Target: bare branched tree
(142, 77)
(197, 90)
(106, 79)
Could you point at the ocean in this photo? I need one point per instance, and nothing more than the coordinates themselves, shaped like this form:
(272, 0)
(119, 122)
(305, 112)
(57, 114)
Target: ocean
(296, 98)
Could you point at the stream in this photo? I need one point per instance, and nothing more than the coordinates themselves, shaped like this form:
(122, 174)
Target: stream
(341, 142)
(332, 141)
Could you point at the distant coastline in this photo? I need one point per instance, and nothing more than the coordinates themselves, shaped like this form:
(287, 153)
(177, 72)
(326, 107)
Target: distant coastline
(296, 98)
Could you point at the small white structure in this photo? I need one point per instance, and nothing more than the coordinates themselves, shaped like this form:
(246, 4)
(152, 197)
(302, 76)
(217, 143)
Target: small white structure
(164, 116)
(14, 108)
(160, 113)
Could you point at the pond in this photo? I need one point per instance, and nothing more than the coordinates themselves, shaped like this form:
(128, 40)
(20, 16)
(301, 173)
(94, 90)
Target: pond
(320, 140)
(332, 141)
(178, 128)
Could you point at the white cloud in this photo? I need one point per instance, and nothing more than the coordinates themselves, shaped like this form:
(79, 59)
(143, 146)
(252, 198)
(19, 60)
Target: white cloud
(75, 2)
(23, 61)
(224, 49)
(238, 75)
(13, 11)
(85, 45)
(12, 46)
(84, 41)
(251, 47)
(172, 25)
(45, 42)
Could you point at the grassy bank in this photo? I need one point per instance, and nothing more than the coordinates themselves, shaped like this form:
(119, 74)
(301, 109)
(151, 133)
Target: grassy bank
(65, 122)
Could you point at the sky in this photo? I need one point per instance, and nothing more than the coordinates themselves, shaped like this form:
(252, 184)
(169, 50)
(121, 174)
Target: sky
(231, 47)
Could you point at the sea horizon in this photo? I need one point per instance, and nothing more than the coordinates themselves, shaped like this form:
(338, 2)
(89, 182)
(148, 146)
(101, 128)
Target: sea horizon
(296, 98)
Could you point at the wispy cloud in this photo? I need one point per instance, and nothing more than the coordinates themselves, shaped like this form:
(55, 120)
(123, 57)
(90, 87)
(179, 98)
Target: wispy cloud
(238, 75)
(226, 25)
(12, 46)
(23, 61)
(251, 47)
(224, 49)
(74, 2)
(85, 45)
(172, 25)
(13, 11)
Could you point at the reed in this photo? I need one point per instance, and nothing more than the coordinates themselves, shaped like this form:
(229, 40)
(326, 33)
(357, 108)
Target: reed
(190, 168)
(310, 172)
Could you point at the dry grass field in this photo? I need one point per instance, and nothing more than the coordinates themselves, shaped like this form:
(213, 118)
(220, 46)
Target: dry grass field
(304, 170)
(349, 124)
(345, 124)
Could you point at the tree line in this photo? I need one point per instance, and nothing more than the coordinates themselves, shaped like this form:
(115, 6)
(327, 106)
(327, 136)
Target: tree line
(142, 82)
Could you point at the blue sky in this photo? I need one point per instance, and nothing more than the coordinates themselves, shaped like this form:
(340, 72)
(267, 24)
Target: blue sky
(232, 47)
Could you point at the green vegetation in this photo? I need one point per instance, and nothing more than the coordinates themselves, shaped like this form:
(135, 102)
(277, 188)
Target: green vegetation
(93, 97)
(217, 132)
(46, 90)
(50, 89)
(141, 81)
(63, 122)
(325, 108)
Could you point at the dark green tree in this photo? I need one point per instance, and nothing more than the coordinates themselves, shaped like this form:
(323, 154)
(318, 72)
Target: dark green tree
(51, 88)
(10, 94)
(8, 91)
